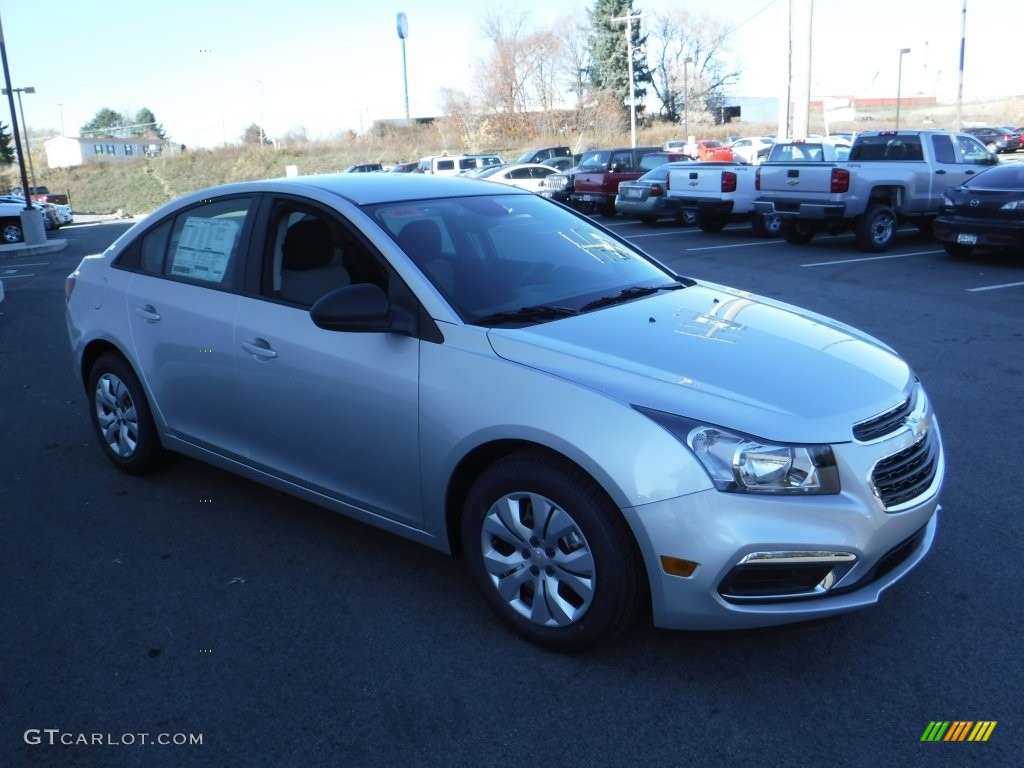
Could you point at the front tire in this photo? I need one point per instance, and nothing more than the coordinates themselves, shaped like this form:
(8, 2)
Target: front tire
(876, 229)
(765, 225)
(958, 251)
(551, 553)
(711, 223)
(11, 232)
(121, 417)
(796, 232)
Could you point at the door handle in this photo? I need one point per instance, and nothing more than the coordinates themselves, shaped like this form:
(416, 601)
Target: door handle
(148, 313)
(940, 172)
(260, 348)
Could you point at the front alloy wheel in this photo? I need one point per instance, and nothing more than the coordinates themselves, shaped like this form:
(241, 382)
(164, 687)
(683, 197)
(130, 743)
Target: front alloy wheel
(11, 233)
(550, 552)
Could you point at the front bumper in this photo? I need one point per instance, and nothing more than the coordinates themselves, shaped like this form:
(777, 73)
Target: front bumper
(694, 528)
(762, 560)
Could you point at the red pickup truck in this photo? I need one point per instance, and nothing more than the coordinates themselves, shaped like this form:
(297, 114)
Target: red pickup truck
(600, 171)
(42, 195)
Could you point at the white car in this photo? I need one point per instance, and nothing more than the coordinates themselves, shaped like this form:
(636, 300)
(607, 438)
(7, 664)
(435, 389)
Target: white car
(523, 175)
(753, 149)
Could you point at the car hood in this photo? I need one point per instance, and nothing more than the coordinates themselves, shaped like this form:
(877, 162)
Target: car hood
(724, 357)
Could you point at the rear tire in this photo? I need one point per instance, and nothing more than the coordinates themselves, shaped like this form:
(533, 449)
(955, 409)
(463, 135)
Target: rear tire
(122, 418)
(876, 229)
(552, 555)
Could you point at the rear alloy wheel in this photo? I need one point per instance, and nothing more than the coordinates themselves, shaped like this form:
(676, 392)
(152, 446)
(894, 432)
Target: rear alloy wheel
(958, 250)
(10, 232)
(712, 223)
(796, 232)
(876, 229)
(552, 555)
(121, 417)
(766, 225)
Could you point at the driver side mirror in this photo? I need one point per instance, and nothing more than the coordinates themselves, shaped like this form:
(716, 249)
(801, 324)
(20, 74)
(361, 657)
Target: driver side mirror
(360, 308)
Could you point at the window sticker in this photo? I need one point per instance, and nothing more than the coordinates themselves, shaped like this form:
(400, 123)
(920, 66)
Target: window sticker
(204, 248)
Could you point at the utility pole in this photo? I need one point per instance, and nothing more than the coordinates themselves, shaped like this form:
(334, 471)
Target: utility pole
(960, 83)
(628, 20)
(33, 231)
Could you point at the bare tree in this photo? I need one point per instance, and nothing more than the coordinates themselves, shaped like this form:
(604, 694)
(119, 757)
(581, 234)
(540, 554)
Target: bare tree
(675, 36)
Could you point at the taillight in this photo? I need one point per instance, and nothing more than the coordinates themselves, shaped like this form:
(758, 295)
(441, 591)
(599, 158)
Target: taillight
(728, 181)
(840, 180)
(757, 179)
(69, 286)
(656, 191)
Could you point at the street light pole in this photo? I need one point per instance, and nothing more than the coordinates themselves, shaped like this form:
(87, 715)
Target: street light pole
(24, 127)
(629, 66)
(686, 98)
(899, 86)
(403, 32)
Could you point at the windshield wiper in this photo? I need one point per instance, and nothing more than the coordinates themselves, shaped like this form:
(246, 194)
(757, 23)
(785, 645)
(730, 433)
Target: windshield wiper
(628, 294)
(538, 314)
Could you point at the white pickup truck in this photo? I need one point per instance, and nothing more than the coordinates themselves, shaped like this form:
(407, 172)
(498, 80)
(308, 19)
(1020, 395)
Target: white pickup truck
(890, 177)
(717, 193)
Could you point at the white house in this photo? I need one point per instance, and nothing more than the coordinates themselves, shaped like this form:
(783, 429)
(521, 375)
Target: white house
(67, 151)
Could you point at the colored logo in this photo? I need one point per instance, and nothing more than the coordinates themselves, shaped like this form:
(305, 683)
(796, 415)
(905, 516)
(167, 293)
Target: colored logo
(959, 730)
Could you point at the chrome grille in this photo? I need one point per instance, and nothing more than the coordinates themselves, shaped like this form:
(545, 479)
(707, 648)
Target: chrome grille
(883, 423)
(906, 475)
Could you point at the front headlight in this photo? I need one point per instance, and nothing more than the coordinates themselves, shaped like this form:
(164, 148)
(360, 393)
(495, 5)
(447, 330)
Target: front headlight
(740, 463)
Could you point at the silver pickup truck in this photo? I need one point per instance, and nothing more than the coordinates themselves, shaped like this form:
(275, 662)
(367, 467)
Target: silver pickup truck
(890, 177)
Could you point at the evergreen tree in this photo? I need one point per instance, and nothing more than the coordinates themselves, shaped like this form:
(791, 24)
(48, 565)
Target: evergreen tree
(146, 125)
(106, 122)
(6, 148)
(609, 69)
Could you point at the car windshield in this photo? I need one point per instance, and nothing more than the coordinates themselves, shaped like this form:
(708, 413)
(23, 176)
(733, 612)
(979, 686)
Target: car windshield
(518, 259)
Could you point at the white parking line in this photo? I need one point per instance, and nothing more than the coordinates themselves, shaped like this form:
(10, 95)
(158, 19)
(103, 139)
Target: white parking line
(996, 287)
(662, 234)
(869, 258)
(736, 245)
(15, 277)
(33, 264)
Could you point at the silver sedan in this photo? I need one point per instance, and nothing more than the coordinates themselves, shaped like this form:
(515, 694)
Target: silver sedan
(646, 198)
(486, 372)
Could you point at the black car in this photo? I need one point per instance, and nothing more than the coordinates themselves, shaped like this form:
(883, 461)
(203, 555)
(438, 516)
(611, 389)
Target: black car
(996, 139)
(985, 212)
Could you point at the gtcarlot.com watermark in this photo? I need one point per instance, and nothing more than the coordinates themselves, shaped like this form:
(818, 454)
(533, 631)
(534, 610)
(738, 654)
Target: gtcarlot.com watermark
(54, 737)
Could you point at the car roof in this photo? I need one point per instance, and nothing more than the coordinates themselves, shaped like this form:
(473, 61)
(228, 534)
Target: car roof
(362, 189)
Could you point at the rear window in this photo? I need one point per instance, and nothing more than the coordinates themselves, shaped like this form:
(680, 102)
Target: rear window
(1004, 176)
(887, 147)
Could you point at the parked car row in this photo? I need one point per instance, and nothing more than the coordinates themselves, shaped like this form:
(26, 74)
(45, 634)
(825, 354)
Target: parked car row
(11, 206)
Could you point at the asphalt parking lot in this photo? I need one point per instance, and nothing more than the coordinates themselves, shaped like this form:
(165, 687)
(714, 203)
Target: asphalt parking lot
(196, 603)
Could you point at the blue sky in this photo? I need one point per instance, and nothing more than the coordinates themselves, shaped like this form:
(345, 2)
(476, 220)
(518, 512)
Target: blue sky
(208, 69)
